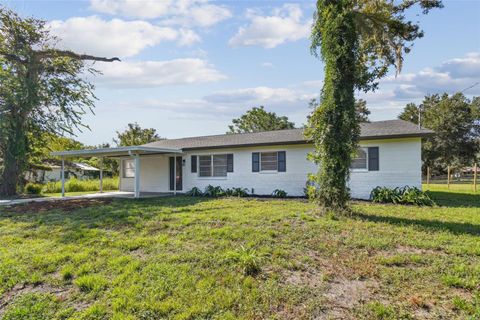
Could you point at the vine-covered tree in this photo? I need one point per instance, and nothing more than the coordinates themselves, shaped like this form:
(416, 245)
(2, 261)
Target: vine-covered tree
(258, 119)
(358, 40)
(40, 91)
(135, 135)
(455, 121)
(361, 110)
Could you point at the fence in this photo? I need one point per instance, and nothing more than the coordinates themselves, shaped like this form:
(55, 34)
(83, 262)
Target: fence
(454, 177)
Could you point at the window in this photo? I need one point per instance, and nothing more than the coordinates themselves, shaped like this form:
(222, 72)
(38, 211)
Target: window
(128, 168)
(360, 162)
(213, 165)
(268, 161)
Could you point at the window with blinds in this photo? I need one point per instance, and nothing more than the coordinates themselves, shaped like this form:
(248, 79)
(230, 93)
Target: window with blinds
(213, 165)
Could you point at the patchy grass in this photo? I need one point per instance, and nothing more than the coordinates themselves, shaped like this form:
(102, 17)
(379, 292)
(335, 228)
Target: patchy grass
(186, 258)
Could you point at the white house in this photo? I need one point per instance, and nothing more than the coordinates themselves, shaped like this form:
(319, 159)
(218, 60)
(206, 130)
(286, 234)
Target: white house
(389, 155)
(53, 172)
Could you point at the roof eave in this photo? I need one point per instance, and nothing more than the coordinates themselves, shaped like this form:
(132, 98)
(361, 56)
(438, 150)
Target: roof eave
(115, 152)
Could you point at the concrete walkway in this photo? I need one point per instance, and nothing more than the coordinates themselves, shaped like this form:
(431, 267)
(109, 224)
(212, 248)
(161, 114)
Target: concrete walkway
(114, 194)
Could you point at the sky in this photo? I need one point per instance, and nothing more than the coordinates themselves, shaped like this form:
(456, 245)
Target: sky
(188, 67)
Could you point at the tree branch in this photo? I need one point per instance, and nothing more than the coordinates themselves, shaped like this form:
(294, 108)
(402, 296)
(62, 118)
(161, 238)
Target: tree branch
(12, 57)
(52, 53)
(66, 53)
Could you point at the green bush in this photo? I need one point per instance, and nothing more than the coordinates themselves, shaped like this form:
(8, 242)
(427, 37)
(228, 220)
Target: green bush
(211, 191)
(405, 195)
(195, 192)
(75, 185)
(278, 193)
(236, 192)
(33, 188)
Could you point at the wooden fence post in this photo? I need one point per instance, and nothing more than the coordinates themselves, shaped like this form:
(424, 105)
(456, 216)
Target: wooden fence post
(448, 177)
(475, 178)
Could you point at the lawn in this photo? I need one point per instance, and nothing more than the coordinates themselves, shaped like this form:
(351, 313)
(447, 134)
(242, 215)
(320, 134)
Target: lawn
(199, 258)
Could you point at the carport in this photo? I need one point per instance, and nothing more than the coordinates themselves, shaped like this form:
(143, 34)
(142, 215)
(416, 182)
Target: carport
(132, 151)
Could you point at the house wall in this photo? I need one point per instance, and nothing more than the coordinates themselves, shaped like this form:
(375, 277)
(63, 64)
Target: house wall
(154, 175)
(399, 162)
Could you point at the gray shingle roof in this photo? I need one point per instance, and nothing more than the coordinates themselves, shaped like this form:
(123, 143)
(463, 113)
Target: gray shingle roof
(372, 130)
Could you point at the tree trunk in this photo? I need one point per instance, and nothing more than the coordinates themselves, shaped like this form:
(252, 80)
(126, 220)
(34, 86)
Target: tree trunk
(15, 153)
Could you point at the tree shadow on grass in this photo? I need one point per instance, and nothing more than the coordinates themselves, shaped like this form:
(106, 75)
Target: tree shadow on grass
(455, 200)
(115, 214)
(457, 228)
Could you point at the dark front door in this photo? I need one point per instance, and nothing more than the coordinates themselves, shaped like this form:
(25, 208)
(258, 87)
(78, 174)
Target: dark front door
(178, 163)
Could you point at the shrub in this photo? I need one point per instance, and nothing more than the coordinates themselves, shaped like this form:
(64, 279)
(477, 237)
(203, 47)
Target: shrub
(278, 193)
(236, 192)
(33, 188)
(405, 195)
(311, 191)
(195, 192)
(211, 191)
(75, 185)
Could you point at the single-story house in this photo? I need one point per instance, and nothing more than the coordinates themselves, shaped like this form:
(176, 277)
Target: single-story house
(52, 172)
(389, 155)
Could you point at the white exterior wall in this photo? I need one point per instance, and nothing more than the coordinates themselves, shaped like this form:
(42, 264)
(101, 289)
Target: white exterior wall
(153, 175)
(399, 165)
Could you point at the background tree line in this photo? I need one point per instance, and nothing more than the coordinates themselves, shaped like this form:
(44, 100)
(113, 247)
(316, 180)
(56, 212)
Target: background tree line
(455, 121)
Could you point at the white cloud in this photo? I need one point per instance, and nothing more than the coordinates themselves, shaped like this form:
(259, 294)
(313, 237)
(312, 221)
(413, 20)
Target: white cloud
(232, 103)
(286, 24)
(267, 65)
(188, 37)
(175, 12)
(115, 37)
(258, 95)
(157, 73)
(451, 76)
(466, 67)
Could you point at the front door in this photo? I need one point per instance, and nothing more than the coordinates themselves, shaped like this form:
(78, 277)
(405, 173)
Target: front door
(176, 164)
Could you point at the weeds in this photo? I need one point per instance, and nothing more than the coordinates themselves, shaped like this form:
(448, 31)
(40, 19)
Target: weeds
(75, 185)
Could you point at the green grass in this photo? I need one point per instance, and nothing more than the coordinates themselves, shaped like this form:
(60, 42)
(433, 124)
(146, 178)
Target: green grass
(198, 258)
(459, 188)
(75, 185)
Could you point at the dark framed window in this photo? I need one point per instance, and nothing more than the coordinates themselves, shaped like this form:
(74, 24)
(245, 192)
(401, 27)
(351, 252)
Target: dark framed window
(268, 161)
(216, 165)
(360, 162)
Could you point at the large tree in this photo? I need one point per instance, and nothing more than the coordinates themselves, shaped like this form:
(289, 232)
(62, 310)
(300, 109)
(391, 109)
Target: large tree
(358, 40)
(258, 119)
(135, 135)
(41, 90)
(456, 123)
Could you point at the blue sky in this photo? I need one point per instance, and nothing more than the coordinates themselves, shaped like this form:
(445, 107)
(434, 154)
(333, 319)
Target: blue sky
(190, 66)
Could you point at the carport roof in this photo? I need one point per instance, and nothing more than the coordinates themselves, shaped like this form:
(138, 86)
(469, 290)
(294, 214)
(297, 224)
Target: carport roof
(115, 152)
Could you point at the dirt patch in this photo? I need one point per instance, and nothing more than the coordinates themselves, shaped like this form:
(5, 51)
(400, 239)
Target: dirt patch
(413, 250)
(64, 205)
(309, 278)
(21, 289)
(343, 295)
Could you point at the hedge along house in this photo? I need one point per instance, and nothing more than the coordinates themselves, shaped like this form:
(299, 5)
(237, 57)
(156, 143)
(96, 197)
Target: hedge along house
(389, 155)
